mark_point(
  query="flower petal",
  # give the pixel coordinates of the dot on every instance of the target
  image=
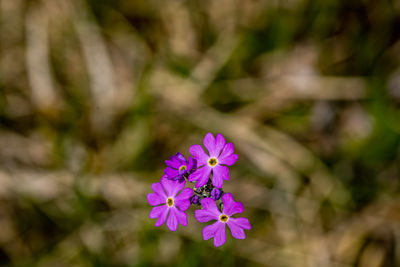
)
(156, 211)
(220, 173)
(200, 175)
(204, 215)
(172, 221)
(236, 230)
(219, 145)
(171, 173)
(209, 230)
(196, 175)
(241, 222)
(173, 163)
(192, 164)
(209, 204)
(180, 157)
(155, 199)
(199, 154)
(230, 206)
(229, 160)
(219, 237)
(180, 216)
(183, 204)
(182, 201)
(217, 181)
(227, 150)
(184, 195)
(157, 188)
(172, 187)
(162, 217)
(209, 143)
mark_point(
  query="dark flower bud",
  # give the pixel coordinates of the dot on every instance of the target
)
(216, 194)
(195, 200)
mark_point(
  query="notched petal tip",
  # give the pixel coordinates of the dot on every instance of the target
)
(172, 222)
(220, 173)
(236, 231)
(155, 199)
(230, 206)
(198, 153)
(158, 188)
(209, 143)
(209, 136)
(220, 237)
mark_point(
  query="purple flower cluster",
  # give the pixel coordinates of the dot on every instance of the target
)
(208, 171)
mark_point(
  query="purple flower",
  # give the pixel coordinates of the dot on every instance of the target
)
(217, 229)
(178, 166)
(166, 201)
(195, 200)
(216, 193)
(220, 154)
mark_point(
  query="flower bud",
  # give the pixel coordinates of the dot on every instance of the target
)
(216, 194)
(195, 200)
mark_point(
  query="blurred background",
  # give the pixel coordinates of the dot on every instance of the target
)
(96, 94)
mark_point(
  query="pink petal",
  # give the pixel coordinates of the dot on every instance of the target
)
(172, 221)
(241, 222)
(204, 215)
(236, 230)
(219, 237)
(183, 204)
(171, 173)
(155, 199)
(199, 154)
(192, 163)
(157, 188)
(209, 205)
(156, 211)
(209, 143)
(209, 230)
(173, 163)
(217, 181)
(200, 175)
(179, 157)
(229, 160)
(230, 206)
(180, 216)
(182, 200)
(219, 145)
(184, 195)
(194, 176)
(220, 173)
(226, 151)
(172, 187)
(162, 217)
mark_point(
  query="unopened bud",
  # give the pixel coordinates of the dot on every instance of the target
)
(195, 199)
(216, 194)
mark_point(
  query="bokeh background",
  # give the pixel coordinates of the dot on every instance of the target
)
(96, 94)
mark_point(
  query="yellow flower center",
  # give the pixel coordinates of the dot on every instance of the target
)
(212, 162)
(183, 167)
(170, 202)
(223, 218)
